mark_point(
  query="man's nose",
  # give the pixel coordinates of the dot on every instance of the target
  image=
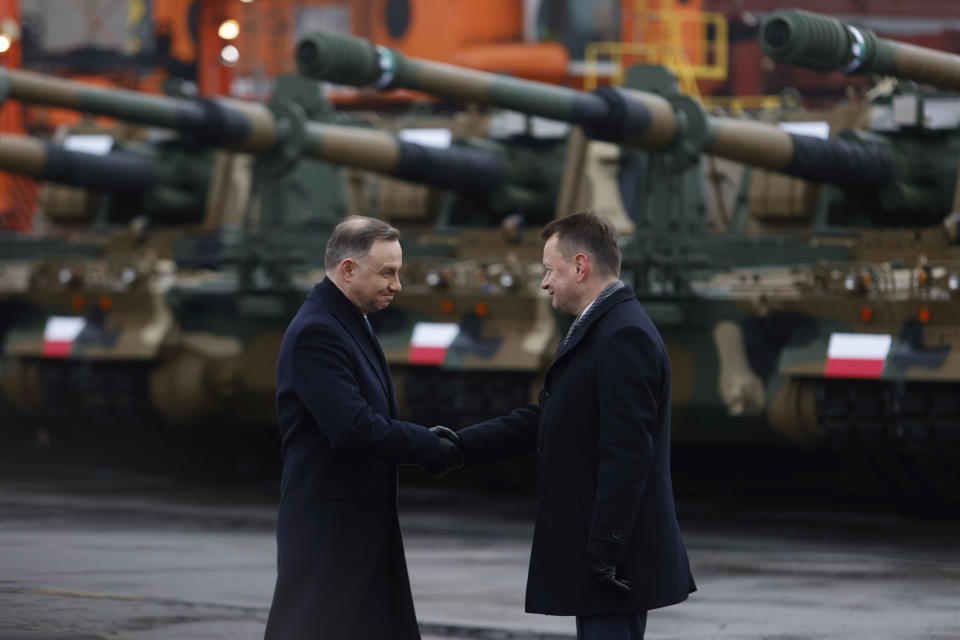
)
(543, 283)
(395, 285)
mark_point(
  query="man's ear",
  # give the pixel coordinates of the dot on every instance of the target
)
(347, 268)
(582, 262)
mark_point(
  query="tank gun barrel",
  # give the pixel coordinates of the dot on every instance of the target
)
(244, 126)
(116, 171)
(634, 118)
(835, 161)
(644, 120)
(631, 117)
(824, 43)
(467, 170)
(459, 169)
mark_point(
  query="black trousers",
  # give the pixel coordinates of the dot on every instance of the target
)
(622, 626)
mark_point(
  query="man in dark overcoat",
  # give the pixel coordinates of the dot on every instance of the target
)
(340, 562)
(606, 546)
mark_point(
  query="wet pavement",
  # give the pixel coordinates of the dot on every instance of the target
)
(98, 553)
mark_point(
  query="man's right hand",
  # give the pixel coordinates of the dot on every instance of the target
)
(451, 446)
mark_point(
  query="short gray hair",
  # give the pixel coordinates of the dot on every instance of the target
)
(353, 238)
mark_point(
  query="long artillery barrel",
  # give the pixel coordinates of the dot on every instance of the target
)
(116, 171)
(824, 43)
(456, 168)
(634, 118)
(244, 126)
(254, 128)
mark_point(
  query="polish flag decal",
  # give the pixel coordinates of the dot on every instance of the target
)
(431, 340)
(59, 335)
(856, 355)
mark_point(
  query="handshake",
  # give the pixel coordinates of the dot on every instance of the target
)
(452, 452)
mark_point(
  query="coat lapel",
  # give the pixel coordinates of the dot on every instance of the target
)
(385, 368)
(623, 294)
(352, 322)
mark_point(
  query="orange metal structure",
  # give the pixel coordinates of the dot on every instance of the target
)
(18, 195)
(437, 29)
(213, 75)
(483, 34)
(641, 22)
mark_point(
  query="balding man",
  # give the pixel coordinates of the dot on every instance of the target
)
(340, 563)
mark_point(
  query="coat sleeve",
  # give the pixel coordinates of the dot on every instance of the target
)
(511, 435)
(325, 380)
(627, 382)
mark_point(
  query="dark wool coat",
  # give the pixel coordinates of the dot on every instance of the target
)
(602, 434)
(340, 563)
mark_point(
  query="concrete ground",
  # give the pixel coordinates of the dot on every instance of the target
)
(106, 554)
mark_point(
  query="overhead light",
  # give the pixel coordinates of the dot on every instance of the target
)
(229, 55)
(4, 43)
(229, 29)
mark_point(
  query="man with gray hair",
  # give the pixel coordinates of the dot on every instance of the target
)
(341, 571)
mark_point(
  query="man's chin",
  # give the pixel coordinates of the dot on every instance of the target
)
(562, 309)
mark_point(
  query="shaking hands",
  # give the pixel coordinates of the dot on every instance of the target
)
(452, 452)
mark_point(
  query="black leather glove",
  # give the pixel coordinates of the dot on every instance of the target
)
(605, 574)
(452, 452)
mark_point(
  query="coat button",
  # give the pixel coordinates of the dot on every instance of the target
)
(616, 534)
(546, 393)
(539, 446)
(540, 501)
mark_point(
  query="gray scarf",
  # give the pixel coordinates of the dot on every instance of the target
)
(606, 293)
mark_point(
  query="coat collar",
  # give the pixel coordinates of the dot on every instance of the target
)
(329, 295)
(623, 294)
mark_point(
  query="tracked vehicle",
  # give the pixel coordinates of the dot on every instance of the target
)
(829, 319)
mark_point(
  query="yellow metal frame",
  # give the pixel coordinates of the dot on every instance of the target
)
(666, 47)
(736, 104)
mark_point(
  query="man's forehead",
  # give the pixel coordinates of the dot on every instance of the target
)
(550, 249)
(385, 253)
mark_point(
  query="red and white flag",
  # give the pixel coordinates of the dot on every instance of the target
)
(857, 355)
(59, 335)
(430, 341)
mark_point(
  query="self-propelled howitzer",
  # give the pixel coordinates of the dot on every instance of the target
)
(774, 342)
(194, 326)
(894, 178)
